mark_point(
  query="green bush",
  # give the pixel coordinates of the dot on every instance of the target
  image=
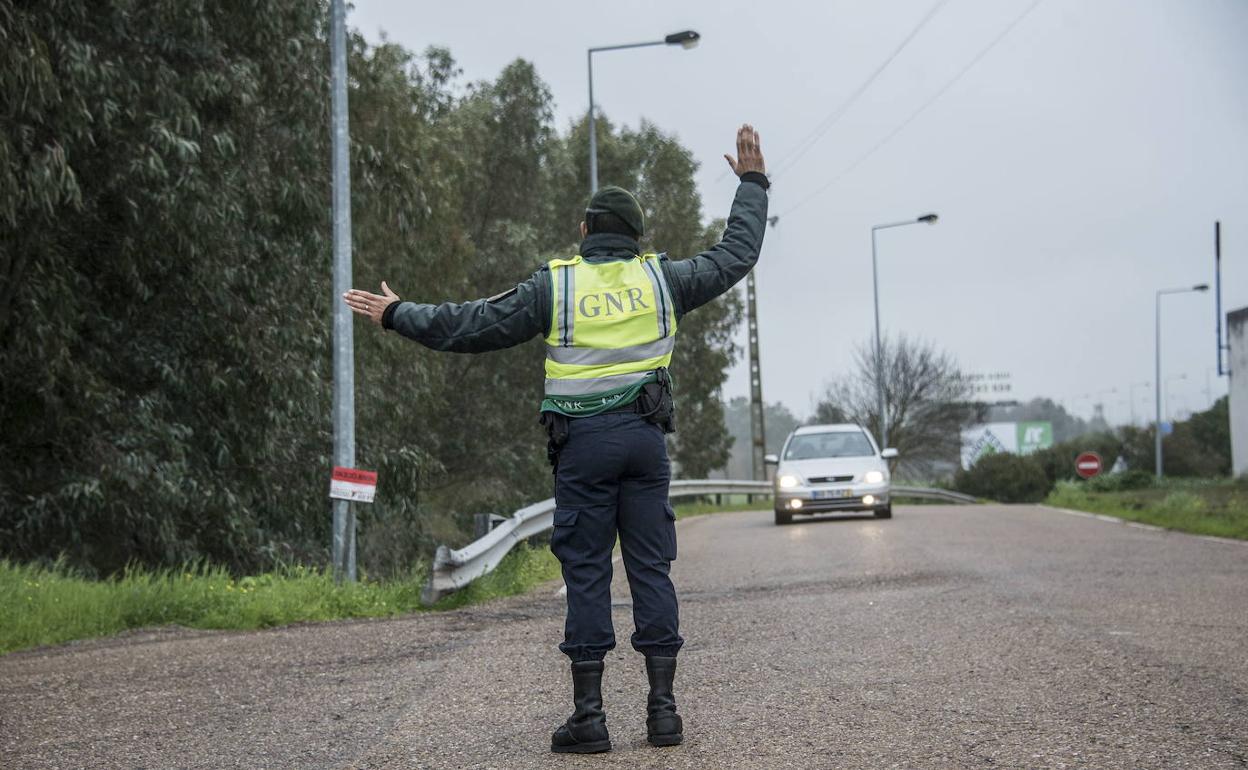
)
(1182, 502)
(1071, 494)
(1005, 477)
(1121, 482)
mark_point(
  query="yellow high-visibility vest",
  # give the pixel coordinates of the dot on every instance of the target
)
(612, 324)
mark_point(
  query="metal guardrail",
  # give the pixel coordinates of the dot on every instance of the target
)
(927, 493)
(455, 568)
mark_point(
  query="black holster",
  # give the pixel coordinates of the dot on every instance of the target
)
(557, 435)
(656, 402)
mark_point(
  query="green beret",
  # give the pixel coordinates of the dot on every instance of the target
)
(618, 201)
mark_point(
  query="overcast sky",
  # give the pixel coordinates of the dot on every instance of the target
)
(1077, 167)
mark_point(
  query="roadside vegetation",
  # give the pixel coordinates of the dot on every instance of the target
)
(50, 605)
(1005, 477)
(728, 504)
(1200, 506)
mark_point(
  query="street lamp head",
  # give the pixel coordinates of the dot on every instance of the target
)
(928, 219)
(1201, 287)
(686, 39)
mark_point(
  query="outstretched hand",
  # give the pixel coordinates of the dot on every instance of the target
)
(370, 305)
(749, 154)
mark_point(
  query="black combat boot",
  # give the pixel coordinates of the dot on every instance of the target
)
(663, 724)
(586, 730)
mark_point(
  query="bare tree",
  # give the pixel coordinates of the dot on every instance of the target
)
(928, 401)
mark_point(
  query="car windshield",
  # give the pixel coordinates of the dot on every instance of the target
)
(810, 446)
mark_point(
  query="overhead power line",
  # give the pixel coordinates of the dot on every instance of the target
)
(922, 108)
(834, 117)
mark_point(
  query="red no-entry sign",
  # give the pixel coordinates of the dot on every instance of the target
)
(1088, 465)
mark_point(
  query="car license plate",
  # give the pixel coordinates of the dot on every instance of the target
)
(824, 494)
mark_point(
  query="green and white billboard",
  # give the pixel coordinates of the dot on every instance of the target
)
(1021, 438)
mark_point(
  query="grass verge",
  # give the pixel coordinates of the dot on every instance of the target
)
(41, 606)
(1200, 506)
(522, 568)
(730, 504)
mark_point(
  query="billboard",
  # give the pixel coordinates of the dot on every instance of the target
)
(1021, 438)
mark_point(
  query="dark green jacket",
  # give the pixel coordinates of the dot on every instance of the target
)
(524, 312)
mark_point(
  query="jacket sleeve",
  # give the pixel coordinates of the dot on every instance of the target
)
(696, 281)
(513, 317)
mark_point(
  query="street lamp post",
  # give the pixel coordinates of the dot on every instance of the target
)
(685, 39)
(1157, 379)
(929, 219)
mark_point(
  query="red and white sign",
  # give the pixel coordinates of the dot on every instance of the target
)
(1088, 465)
(353, 484)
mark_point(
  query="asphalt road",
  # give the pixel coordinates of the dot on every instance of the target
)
(947, 637)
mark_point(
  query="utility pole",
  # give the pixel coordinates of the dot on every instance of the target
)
(344, 341)
(1217, 310)
(757, 429)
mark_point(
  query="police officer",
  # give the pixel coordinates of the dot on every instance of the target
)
(609, 316)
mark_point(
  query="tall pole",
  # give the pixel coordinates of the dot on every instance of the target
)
(882, 428)
(1217, 279)
(1157, 383)
(344, 343)
(757, 428)
(1157, 392)
(882, 432)
(593, 131)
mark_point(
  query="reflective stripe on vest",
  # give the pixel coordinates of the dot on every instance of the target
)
(612, 324)
(594, 385)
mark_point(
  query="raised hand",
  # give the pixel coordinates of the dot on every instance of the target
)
(370, 305)
(749, 154)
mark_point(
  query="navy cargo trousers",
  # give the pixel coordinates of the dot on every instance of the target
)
(612, 478)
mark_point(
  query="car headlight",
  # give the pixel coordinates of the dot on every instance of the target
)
(873, 477)
(787, 481)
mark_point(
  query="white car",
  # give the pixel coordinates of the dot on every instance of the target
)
(827, 468)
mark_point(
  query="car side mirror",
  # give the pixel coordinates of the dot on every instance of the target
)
(889, 454)
(771, 460)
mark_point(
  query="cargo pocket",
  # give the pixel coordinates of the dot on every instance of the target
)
(669, 532)
(562, 537)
